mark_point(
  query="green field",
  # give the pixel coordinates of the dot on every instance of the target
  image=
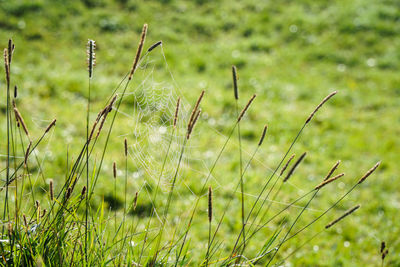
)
(290, 53)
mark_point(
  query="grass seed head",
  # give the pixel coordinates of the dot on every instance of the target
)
(330, 180)
(139, 51)
(235, 79)
(7, 66)
(51, 190)
(332, 170)
(383, 246)
(178, 102)
(151, 48)
(51, 125)
(195, 109)
(193, 123)
(115, 170)
(83, 192)
(25, 220)
(384, 254)
(210, 204)
(263, 135)
(135, 200)
(10, 51)
(246, 108)
(320, 105)
(126, 147)
(290, 173)
(21, 121)
(91, 56)
(369, 172)
(287, 164)
(68, 193)
(347, 213)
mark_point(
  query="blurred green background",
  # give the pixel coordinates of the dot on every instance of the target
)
(290, 53)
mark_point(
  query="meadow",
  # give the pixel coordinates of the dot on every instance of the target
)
(290, 54)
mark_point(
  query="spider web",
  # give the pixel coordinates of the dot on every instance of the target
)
(153, 136)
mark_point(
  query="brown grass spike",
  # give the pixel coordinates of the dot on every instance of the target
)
(151, 48)
(194, 111)
(210, 204)
(177, 111)
(332, 170)
(246, 108)
(263, 135)
(369, 172)
(235, 79)
(126, 147)
(51, 189)
(295, 166)
(53, 123)
(139, 51)
(325, 182)
(320, 105)
(114, 170)
(347, 213)
(287, 164)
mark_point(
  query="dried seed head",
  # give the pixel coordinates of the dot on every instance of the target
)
(347, 213)
(51, 189)
(330, 180)
(287, 164)
(114, 170)
(83, 192)
(235, 79)
(332, 170)
(21, 121)
(7, 67)
(37, 203)
(126, 147)
(246, 108)
(139, 51)
(112, 103)
(384, 254)
(320, 105)
(135, 200)
(91, 56)
(43, 213)
(210, 205)
(101, 124)
(369, 172)
(151, 48)
(15, 91)
(99, 115)
(178, 102)
(383, 246)
(195, 109)
(10, 50)
(25, 220)
(104, 114)
(68, 193)
(295, 166)
(92, 131)
(53, 123)
(193, 123)
(263, 135)
(27, 154)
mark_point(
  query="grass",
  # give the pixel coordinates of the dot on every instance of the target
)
(291, 55)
